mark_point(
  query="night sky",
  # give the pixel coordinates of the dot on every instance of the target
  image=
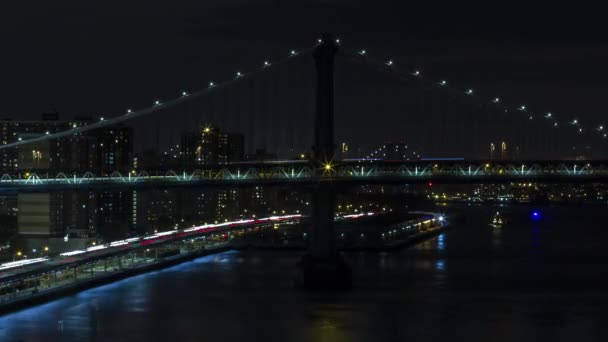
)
(94, 57)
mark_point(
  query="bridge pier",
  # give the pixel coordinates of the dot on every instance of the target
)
(322, 268)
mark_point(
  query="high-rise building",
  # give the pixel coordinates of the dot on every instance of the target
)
(40, 155)
(76, 214)
(115, 149)
(8, 214)
(207, 154)
(210, 147)
(190, 145)
(230, 147)
(101, 151)
(157, 209)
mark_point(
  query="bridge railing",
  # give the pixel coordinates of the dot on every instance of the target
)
(302, 171)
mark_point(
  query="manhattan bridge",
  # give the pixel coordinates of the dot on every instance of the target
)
(261, 104)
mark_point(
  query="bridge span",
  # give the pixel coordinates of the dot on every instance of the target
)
(302, 172)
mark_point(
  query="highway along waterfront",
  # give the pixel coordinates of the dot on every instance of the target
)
(31, 281)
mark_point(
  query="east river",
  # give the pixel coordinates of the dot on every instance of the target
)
(535, 279)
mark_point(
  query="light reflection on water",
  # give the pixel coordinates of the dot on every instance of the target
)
(471, 283)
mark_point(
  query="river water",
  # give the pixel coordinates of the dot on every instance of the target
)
(542, 279)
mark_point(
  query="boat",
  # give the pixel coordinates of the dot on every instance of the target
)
(497, 221)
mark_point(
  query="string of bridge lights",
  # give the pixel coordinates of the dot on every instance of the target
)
(158, 105)
(382, 150)
(415, 73)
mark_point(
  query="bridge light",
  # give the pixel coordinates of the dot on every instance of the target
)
(211, 84)
(266, 63)
(101, 118)
(157, 102)
(389, 63)
(600, 128)
(443, 82)
(47, 133)
(496, 100)
(580, 130)
(548, 115)
(238, 74)
(184, 93)
(522, 108)
(338, 41)
(362, 52)
(605, 135)
(319, 41)
(470, 92)
(531, 117)
(555, 124)
(294, 52)
(575, 122)
(416, 73)
(129, 111)
(74, 125)
(328, 167)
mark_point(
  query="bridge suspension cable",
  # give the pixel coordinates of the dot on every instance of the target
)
(391, 68)
(158, 105)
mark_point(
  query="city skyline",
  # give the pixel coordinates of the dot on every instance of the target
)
(257, 170)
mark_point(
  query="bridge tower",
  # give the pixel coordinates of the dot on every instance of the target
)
(322, 267)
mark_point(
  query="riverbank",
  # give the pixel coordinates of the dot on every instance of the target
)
(85, 280)
(45, 295)
(387, 247)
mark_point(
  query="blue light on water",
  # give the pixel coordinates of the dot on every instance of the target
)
(440, 265)
(535, 215)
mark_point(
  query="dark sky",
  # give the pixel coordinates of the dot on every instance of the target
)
(82, 57)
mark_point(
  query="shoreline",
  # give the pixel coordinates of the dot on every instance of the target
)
(43, 296)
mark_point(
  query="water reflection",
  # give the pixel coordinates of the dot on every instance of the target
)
(497, 238)
(441, 242)
(427, 292)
